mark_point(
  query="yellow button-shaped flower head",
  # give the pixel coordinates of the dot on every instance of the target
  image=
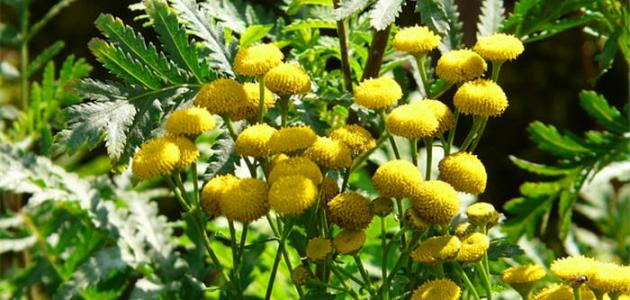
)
(474, 246)
(188, 152)
(348, 241)
(288, 79)
(415, 40)
(298, 165)
(245, 200)
(300, 275)
(442, 114)
(435, 201)
(329, 153)
(350, 210)
(189, 122)
(443, 289)
(212, 193)
(221, 96)
(250, 108)
(357, 138)
(317, 249)
(329, 189)
(563, 292)
(465, 172)
(437, 249)
(291, 139)
(254, 140)
(396, 178)
(415, 120)
(610, 278)
(482, 214)
(460, 65)
(522, 278)
(499, 47)
(292, 195)
(377, 93)
(257, 60)
(157, 157)
(480, 98)
(574, 268)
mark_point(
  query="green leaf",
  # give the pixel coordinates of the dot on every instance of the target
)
(224, 158)
(558, 26)
(442, 17)
(490, 18)
(44, 57)
(606, 58)
(295, 5)
(527, 215)
(9, 35)
(310, 24)
(503, 248)
(51, 13)
(548, 138)
(539, 169)
(16, 244)
(347, 8)
(540, 189)
(384, 13)
(606, 115)
(565, 211)
(236, 15)
(253, 34)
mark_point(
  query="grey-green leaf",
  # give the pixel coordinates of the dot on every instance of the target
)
(384, 13)
(490, 18)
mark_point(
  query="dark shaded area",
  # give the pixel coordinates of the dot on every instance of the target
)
(543, 84)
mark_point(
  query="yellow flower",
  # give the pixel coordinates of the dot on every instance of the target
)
(212, 193)
(415, 120)
(188, 152)
(350, 210)
(574, 268)
(482, 214)
(357, 138)
(465, 172)
(460, 65)
(245, 200)
(291, 195)
(349, 241)
(499, 47)
(221, 96)
(288, 79)
(522, 278)
(295, 166)
(318, 249)
(435, 201)
(254, 140)
(382, 206)
(329, 190)
(480, 98)
(442, 289)
(415, 40)
(442, 114)
(291, 139)
(329, 153)
(562, 292)
(610, 278)
(250, 108)
(157, 157)
(300, 275)
(437, 249)
(464, 229)
(396, 178)
(474, 246)
(412, 218)
(257, 60)
(377, 93)
(189, 121)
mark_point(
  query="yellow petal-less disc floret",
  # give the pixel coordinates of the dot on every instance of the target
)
(328, 190)
(460, 65)
(317, 249)
(350, 210)
(288, 79)
(221, 96)
(562, 292)
(574, 268)
(499, 47)
(480, 98)
(435, 201)
(396, 178)
(245, 200)
(377, 93)
(436, 249)
(482, 214)
(257, 60)
(474, 246)
(292, 195)
(157, 157)
(188, 152)
(250, 108)
(298, 165)
(465, 172)
(523, 274)
(191, 121)
(415, 120)
(300, 275)
(212, 193)
(349, 241)
(442, 114)
(610, 278)
(254, 140)
(442, 289)
(291, 139)
(415, 40)
(329, 153)
(357, 138)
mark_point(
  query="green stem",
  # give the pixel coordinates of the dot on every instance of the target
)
(274, 269)
(364, 275)
(284, 110)
(471, 134)
(423, 74)
(401, 221)
(241, 245)
(232, 131)
(576, 293)
(428, 142)
(24, 68)
(462, 274)
(343, 282)
(235, 262)
(384, 286)
(346, 274)
(346, 179)
(414, 151)
(486, 280)
(177, 193)
(451, 133)
(442, 91)
(496, 68)
(261, 103)
(195, 177)
(482, 128)
(391, 138)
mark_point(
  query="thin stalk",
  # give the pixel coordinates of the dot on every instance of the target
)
(177, 192)
(576, 293)
(343, 48)
(462, 274)
(391, 138)
(345, 285)
(451, 133)
(274, 269)
(348, 275)
(486, 280)
(401, 221)
(195, 178)
(235, 262)
(261, 102)
(471, 134)
(364, 275)
(375, 53)
(428, 143)
(442, 91)
(482, 128)
(385, 285)
(346, 179)
(284, 110)
(496, 68)
(24, 67)
(414, 151)
(180, 185)
(423, 74)
(324, 285)
(241, 245)
(234, 135)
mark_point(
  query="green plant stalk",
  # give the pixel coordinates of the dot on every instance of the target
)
(451, 133)
(241, 245)
(24, 63)
(324, 285)
(428, 142)
(496, 69)
(343, 49)
(420, 59)
(480, 131)
(235, 262)
(401, 221)
(384, 286)
(364, 275)
(576, 293)
(234, 135)
(391, 138)
(359, 160)
(471, 134)
(343, 283)
(462, 274)
(284, 110)
(176, 191)
(345, 273)
(261, 102)
(274, 269)
(414, 151)
(486, 279)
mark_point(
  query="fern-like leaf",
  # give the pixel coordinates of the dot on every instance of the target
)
(384, 13)
(348, 8)
(442, 17)
(490, 18)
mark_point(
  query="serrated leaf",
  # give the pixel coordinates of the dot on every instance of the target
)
(539, 169)
(490, 18)
(253, 34)
(606, 115)
(548, 138)
(348, 8)
(384, 13)
(606, 58)
(442, 17)
(44, 57)
(295, 5)
(540, 189)
(223, 157)
(565, 212)
(310, 24)
(527, 214)
(236, 15)
(117, 127)
(503, 248)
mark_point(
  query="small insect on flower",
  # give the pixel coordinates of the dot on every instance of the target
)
(257, 60)
(460, 65)
(377, 93)
(442, 289)
(415, 40)
(575, 269)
